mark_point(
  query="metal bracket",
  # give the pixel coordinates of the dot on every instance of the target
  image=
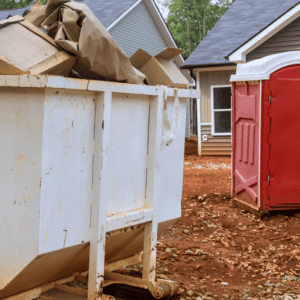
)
(160, 289)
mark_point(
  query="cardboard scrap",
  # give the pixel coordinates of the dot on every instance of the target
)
(75, 28)
(35, 13)
(160, 70)
(25, 49)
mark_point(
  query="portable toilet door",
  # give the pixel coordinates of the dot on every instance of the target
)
(266, 133)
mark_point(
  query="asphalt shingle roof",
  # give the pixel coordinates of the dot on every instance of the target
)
(106, 11)
(244, 19)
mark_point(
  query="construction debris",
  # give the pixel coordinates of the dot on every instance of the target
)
(28, 50)
(75, 29)
(78, 45)
(35, 13)
(160, 69)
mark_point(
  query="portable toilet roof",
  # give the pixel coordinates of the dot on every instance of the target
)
(262, 68)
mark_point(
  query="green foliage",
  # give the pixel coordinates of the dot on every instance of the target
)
(13, 4)
(190, 20)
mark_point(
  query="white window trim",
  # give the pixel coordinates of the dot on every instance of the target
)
(213, 110)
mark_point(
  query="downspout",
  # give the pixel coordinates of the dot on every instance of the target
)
(192, 75)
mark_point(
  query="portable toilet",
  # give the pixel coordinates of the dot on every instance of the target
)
(266, 133)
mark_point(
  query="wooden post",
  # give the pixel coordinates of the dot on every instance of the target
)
(100, 199)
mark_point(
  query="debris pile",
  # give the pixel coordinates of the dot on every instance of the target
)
(77, 45)
(218, 251)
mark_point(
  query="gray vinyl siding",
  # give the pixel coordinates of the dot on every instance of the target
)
(188, 120)
(287, 39)
(138, 30)
(215, 145)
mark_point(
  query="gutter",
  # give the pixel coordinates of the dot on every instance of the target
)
(208, 65)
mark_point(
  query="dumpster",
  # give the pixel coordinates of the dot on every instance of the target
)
(91, 174)
(265, 127)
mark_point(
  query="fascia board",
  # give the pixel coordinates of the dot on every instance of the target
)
(239, 55)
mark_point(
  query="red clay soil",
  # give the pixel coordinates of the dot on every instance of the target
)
(218, 251)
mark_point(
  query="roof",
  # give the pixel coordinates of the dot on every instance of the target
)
(243, 20)
(261, 69)
(105, 11)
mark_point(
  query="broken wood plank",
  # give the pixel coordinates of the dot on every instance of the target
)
(71, 290)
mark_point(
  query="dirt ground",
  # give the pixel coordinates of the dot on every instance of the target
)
(218, 251)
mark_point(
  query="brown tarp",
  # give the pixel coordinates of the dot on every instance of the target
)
(75, 28)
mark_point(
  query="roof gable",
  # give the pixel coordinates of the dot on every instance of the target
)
(108, 11)
(243, 20)
(138, 30)
(105, 11)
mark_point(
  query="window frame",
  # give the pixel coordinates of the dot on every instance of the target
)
(214, 110)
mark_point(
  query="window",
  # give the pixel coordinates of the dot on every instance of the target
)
(221, 109)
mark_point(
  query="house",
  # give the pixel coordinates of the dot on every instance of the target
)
(133, 24)
(249, 30)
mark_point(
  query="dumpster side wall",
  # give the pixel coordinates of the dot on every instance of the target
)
(67, 169)
(128, 149)
(171, 168)
(21, 122)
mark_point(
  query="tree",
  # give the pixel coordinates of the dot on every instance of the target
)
(190, 20)
(11, 4)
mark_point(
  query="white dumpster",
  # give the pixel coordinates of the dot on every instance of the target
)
(86, 173)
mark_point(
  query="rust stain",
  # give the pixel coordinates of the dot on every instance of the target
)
(59, 207)
(23, 196)
(21, 162)
(29, 198)
(66, 120)
(22, 158)
(18, 112)
(21, 250)
(20, 228)
(7, 225)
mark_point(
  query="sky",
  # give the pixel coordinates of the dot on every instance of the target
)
(164, 10)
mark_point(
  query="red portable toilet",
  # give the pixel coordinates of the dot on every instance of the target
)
(266, 133)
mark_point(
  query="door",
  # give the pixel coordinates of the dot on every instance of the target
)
(284, 138)
(245, 130)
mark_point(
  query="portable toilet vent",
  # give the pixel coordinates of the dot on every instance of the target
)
(266, 133)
